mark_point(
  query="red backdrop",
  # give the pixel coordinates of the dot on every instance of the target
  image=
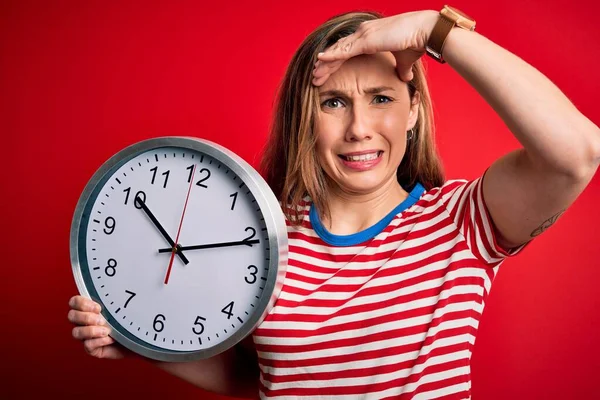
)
(80, 80)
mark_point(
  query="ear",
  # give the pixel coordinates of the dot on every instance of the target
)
(413, 114)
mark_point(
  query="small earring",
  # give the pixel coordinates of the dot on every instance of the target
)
(411, 134)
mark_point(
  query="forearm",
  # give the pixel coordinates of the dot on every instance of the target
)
(554, 134)
(231, 373)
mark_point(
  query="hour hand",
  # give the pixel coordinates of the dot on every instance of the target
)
(213, 245)
(140, 203)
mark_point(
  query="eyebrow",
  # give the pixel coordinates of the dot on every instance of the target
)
(341, 93)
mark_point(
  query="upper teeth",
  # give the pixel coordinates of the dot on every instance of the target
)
(363, 157)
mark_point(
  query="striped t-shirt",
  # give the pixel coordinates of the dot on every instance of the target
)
(389, 312)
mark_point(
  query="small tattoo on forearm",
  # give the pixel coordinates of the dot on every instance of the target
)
(547, 224)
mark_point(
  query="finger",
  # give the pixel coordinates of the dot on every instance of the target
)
(326, 68)
(85, 318)
(92, 344)
(81, 303)
(405, 75)
(90, 332)
(404, 63)
(101, 348)
(320, 80)
(343, 49)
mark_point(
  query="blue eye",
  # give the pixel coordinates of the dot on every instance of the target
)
(379, 99)
(332, 103)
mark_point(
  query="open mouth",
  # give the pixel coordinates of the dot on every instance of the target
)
(361, 157)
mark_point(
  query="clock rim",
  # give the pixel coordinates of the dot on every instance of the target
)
(272, 214)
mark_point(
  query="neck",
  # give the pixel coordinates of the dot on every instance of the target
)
(352, 212)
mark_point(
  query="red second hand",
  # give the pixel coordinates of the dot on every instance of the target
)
(179, 230)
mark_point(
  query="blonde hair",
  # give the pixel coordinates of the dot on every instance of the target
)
(289, 163)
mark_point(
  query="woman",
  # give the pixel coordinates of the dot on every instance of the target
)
(389, 264)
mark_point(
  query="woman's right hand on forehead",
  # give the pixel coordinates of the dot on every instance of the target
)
(91, 328)
(404, 35)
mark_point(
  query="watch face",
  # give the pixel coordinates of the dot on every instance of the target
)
(462, 19)
(210, 292)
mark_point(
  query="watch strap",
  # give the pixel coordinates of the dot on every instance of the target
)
(438, 36)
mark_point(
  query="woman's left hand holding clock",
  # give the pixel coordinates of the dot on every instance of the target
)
(91, 328)
(232, 372)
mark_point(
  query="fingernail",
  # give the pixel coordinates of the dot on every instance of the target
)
(100, 320)
(104, 331)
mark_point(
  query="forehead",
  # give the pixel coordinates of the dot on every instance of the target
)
(363, 71)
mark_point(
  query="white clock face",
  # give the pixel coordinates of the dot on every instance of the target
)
(192, 299)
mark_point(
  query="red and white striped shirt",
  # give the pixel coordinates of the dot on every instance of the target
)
(389, 312)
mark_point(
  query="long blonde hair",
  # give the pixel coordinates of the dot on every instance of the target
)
(289, 163)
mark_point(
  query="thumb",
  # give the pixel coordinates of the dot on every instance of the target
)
(405, 60)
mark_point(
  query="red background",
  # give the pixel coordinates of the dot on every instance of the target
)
(80, 80)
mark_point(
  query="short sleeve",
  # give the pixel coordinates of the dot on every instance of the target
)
(465, 203)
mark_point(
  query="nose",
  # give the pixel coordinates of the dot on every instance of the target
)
(360, 125)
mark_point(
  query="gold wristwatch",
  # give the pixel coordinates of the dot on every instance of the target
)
(449, 18)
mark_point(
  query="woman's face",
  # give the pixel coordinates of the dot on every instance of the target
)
(365, 112)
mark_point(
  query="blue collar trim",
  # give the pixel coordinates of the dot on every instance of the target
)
(369, 233)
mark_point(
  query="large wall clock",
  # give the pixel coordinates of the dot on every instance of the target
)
(182, 243)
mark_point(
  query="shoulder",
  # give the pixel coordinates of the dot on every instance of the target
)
(298, 211)
(446, 191)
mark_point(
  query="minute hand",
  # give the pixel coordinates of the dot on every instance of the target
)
(212, 245)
